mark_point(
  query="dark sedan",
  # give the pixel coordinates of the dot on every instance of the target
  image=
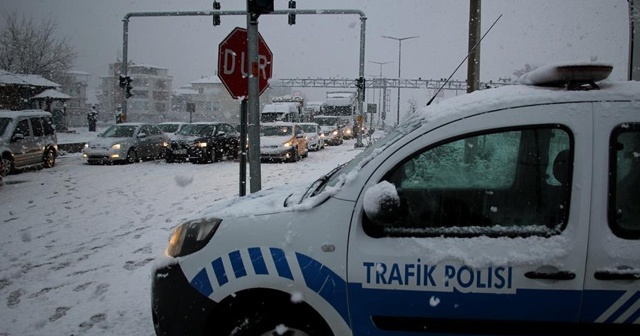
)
(204, 142)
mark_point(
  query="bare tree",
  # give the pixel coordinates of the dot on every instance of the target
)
(527, 68)
(30, 47)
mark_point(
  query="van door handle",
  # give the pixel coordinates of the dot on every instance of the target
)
(608, 275)
(560, 275)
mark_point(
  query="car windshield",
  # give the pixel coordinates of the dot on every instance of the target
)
(119, 131)
(4, 122)
(275, 130)
(168, 128)
(309, 128)
(196, 129)
(325, 121)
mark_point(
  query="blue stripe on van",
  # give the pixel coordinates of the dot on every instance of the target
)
(623, 309)
(237, 264)
(201, 283)
(257, 260)
(326, 283)
(218, 269)
(280, 260)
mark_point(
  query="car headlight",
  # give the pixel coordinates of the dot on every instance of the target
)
(287, 144)
(165, 144)
(201, 144)
(192, 236)
(86, 145)
(115, 146)
(334, 132)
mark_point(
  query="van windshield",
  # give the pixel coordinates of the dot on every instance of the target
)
(4, 122)
(326, 121)
(273, 116)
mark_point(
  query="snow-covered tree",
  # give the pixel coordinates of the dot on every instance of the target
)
(31, 47)
(413, 107)
(527, 68)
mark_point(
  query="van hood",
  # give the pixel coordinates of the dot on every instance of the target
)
(268, 201)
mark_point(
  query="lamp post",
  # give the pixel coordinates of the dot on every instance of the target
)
(380, 98)
(399, 39)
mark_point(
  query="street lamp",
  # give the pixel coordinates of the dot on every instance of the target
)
(399, 39)
(380, 98)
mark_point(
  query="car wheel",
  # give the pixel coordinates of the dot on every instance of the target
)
(132, 155)
(214, 155)
(49, 159)
(295, 156)
(6, 167)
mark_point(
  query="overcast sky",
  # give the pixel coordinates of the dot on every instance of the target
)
(320, 46)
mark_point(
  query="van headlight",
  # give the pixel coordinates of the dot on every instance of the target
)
(192, 236)
(115, 146)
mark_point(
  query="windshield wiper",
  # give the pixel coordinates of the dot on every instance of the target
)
(319, 183)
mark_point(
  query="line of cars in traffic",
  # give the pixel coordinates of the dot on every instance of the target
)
(206, 142)
(28, 139)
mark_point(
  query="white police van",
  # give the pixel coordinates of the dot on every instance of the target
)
(511, 210)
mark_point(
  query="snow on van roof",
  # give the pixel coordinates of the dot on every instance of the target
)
(523, 95)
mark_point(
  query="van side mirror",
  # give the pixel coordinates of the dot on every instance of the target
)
(382, 204)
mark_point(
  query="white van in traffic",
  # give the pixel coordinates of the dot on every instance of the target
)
(506, 211)
(27, 139)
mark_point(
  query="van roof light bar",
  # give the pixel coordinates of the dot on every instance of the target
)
(572, 76)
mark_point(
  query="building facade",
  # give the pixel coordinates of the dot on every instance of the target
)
(77, 106)
(151, 89)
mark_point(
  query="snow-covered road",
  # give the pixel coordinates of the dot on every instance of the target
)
(77, 241)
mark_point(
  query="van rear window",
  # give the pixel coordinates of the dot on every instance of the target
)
(624, 181)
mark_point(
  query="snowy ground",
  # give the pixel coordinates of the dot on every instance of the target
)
(77, 241)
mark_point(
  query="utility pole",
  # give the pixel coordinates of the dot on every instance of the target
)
(634, 40)
(399, 39)
(473, 65)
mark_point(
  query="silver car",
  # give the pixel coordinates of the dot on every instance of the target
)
(127, 142)
(27, 139)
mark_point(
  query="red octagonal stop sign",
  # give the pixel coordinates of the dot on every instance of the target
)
(232, 63)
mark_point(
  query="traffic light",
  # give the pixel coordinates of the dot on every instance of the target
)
(122, 81)
(128, 81)
(292, 16)
(216, 18)
(360, 84)
(260, 6)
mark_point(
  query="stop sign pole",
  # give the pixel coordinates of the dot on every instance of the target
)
(255, 174)
(244, 67)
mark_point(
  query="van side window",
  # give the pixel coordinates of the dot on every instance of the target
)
(508, 182)
(49, 129)
(36, 125)
(624, 181)
(22, 128)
